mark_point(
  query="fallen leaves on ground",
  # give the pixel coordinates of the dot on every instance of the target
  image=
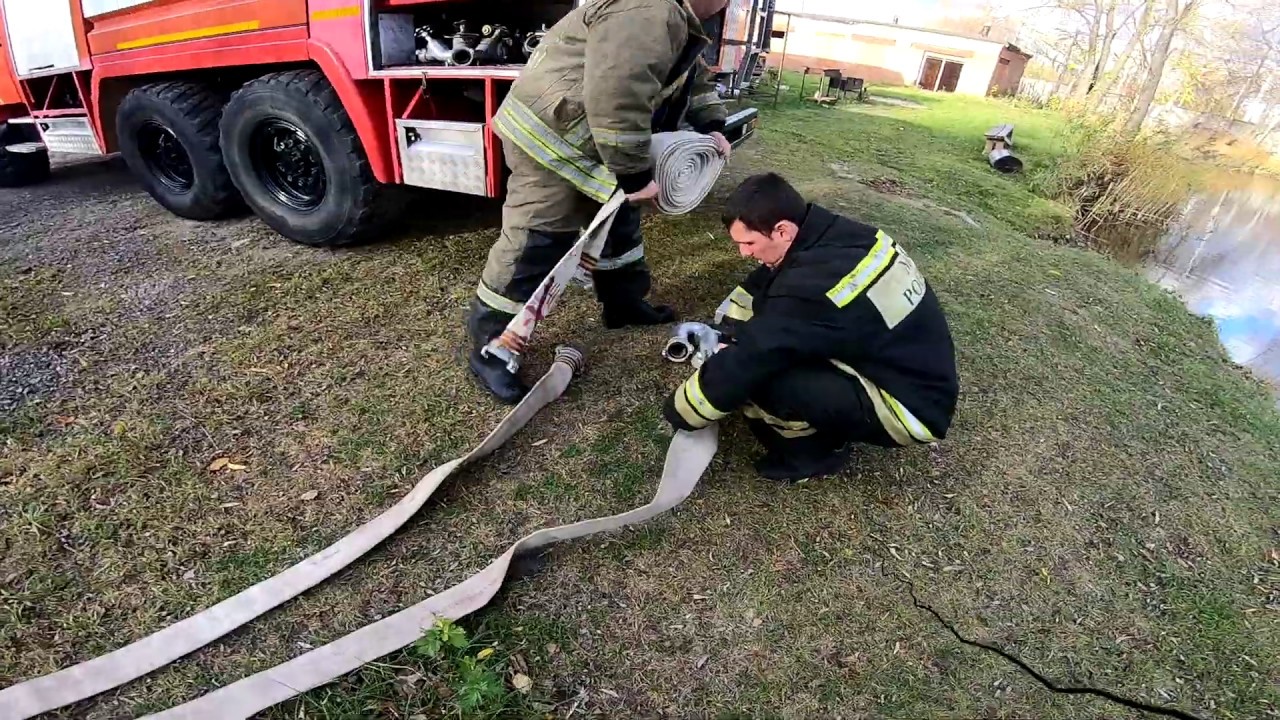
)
(521, 682)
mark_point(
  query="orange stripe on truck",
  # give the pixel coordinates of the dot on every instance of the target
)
(336, 13)
(196, 34)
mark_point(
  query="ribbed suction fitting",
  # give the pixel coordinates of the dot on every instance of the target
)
(572, 357)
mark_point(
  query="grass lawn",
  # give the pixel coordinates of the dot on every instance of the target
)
(1106, 505)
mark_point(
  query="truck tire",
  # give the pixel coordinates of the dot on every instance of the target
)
(168, 135)
(294, 153)
(18, 169)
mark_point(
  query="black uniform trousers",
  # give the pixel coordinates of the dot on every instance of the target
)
(814, 409)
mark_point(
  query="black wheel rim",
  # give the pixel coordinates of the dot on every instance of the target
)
(165, 157)
(288, 165)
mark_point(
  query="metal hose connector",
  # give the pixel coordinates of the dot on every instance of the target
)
(462, 56)
(678, 350)
(692, 342)
(532, 41)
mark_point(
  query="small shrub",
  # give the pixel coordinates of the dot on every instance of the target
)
(471, 670)
(1124, 190)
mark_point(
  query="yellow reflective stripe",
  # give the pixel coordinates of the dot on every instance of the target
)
(529, 143)
(687, 411)
(633, 255)
(891, 423)
(512, 129)
(203, 32)
(557, 147)
(698, 399)
(496, 301)
(741, 298)
(578, 133)
(737, 312)
(619, 138)
(785, 428)
(853, 284)
(738, 306)
(336, 13)
(909, 421)
(704, 100)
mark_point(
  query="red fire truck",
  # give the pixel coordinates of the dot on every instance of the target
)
(303, 110)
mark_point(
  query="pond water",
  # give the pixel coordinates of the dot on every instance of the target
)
(1223, 260)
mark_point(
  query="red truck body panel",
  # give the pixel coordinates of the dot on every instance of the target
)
(125, 47)
(163, 23)
(10, 93)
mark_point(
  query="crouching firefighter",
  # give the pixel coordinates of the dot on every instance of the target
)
(576, 127)
(835, 339)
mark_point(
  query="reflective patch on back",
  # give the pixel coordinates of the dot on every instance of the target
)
(898, 291)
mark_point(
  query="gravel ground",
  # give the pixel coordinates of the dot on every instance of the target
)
(28, 375)
(96, 268)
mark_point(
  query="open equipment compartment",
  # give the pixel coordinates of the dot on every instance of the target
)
(425, 34)
(447, 65)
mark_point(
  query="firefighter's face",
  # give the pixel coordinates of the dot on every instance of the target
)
(707, 9)
(766, 248)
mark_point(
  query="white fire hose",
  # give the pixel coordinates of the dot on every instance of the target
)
(687, 166)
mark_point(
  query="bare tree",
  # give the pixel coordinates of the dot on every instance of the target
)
(1266, 34)
(1108, 80)
(1092, 12)
(1223, 64)
(1066, 67)
(1104, 52)
(1271, 126)
(1176, 13)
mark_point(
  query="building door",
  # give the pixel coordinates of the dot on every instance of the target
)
(950, 76)
(930, 73)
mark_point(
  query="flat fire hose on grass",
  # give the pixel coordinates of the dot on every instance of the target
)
(687, 166)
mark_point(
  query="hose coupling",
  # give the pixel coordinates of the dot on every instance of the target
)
(692, 342)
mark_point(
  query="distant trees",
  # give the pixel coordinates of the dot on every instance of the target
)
(1120, 57)
(1175, 17)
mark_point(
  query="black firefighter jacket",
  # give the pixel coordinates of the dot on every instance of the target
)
(848, 295)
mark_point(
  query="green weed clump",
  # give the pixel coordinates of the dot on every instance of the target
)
(469, 671)
(1124, 190)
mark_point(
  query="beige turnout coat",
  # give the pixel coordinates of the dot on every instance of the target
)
(604, 79)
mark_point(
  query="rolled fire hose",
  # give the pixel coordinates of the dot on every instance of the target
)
(687, 165)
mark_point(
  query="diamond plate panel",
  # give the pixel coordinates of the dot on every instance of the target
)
(69, 135)
(443, 155)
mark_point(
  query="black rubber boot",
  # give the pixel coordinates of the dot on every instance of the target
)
(788, 467)
(639, 313)
(493, 374)
(483, 324)
(622, 291)
(796, 459)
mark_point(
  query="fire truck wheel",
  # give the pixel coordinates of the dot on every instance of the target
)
(21, 168)
(294, 154)
(168, 134)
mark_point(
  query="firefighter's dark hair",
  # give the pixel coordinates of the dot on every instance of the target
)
(762, 201)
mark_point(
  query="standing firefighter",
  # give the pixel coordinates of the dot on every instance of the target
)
(837, 338)
(576, 127)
